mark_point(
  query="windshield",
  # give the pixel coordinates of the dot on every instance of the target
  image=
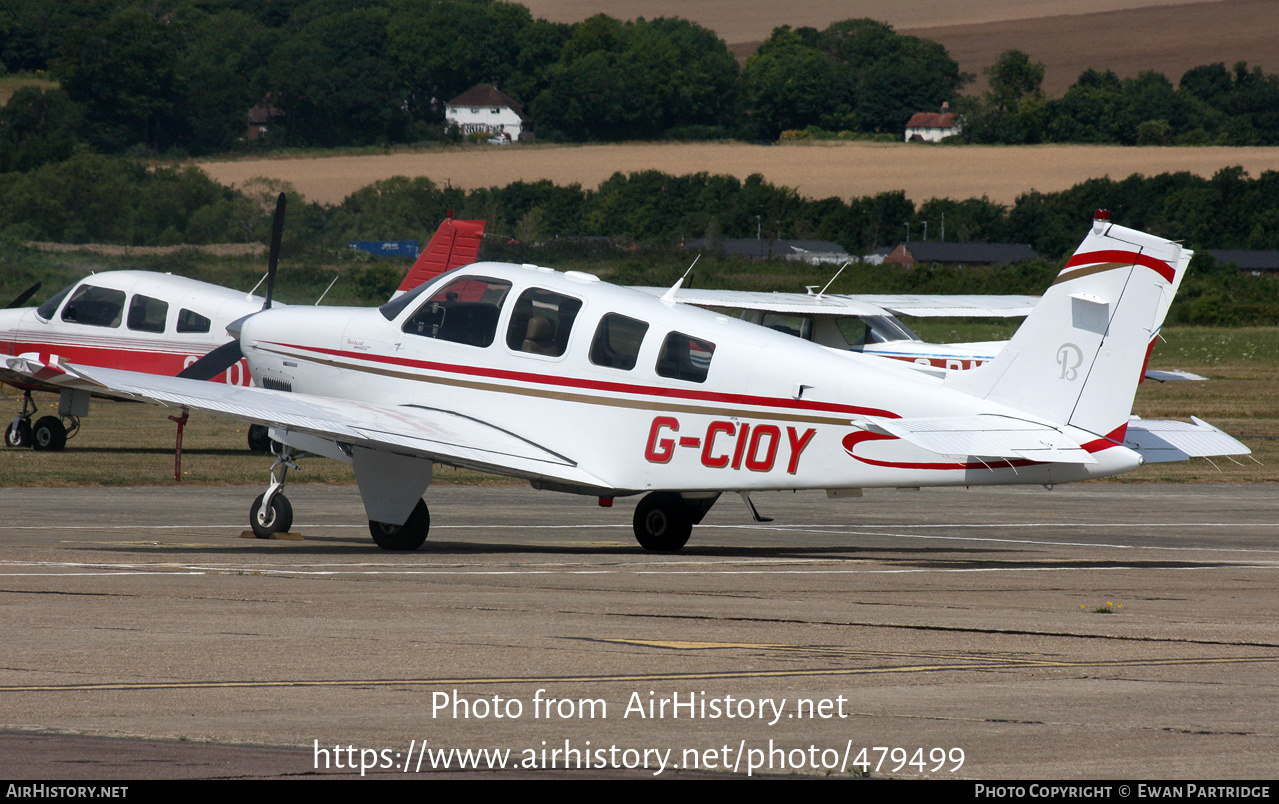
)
(46, 310)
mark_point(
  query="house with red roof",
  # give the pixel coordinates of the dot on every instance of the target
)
(933, 126)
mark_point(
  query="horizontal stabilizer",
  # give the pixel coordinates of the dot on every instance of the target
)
(1173, 375)
(985, 437)
(1158, 440)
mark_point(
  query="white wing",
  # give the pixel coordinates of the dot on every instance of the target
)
(441, 435)
(860, 304)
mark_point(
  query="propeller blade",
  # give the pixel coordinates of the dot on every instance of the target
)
(22, 297)
(214, 363)
(277, 231)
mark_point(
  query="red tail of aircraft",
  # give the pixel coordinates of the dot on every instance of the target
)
(454, 244)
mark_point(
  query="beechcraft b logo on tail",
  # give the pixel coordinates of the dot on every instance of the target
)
(1069, 356)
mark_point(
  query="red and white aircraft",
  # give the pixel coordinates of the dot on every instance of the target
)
(157, 324)
(585, 387)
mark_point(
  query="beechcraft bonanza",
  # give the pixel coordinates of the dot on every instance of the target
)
(581, 386)
(157, 324)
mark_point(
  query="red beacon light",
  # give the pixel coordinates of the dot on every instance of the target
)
(1100, 220)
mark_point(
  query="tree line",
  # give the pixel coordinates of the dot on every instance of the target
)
(179, 76)
(1211, 105)
(109, 199)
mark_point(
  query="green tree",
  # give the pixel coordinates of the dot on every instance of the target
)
(335, 83)
(122, 72)
(38, 127)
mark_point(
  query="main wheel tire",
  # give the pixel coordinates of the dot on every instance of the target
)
(19, 436)
(259, 438)
(49, 435)
(663, 522)
(278, 519)
(409, 536)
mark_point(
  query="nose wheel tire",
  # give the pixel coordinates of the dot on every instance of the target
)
(49, 435)
(267, 522)
(409, 536)
(663, 522)
(19, 436)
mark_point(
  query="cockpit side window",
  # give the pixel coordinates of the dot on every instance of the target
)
(190, 321)
(541, 322)
(95, 306)
(684, 357)
(463, 311)
(147, 314)
(617, 341)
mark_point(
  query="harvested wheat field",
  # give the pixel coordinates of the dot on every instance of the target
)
(754, 20)
(816, 170)
(1068, 36)
(1168, 39)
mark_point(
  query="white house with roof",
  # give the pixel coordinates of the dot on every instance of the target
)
(933, 126)
(485, 108)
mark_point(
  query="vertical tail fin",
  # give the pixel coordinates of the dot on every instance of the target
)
(454, 244)
(1078, 357)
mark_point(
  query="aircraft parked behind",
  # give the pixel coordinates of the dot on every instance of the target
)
(585, 387)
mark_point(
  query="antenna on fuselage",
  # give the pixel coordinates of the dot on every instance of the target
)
(669, 296)
(828, 284)
(255, 287)
(326, 290)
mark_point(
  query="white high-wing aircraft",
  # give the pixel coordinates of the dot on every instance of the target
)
(869, 324)
(157, 324)
(585, 387)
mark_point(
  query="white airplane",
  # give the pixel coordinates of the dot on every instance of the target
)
(157, 324)
(869, 324)
(581, 386)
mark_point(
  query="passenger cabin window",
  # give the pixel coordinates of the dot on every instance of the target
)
(463, 311)
(617, 341)
(147, 314)
(189, 321)
(541, 322)
(800, 326)
(95, 307)
(684, 357)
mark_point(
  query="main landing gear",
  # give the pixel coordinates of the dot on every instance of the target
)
(409, 536)
(664, 519)
(272, 513)
(48, 434)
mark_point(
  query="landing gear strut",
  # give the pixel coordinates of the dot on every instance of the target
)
(409, 536)
(271, 512)
(49, 434)
(664, 520)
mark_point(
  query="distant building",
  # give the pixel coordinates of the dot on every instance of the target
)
(909, 253)
(1247, 259)
(260, 117)
(810, 251)
(933, 126)
(485, 108)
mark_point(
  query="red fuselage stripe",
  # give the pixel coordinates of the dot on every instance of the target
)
(597, 385)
